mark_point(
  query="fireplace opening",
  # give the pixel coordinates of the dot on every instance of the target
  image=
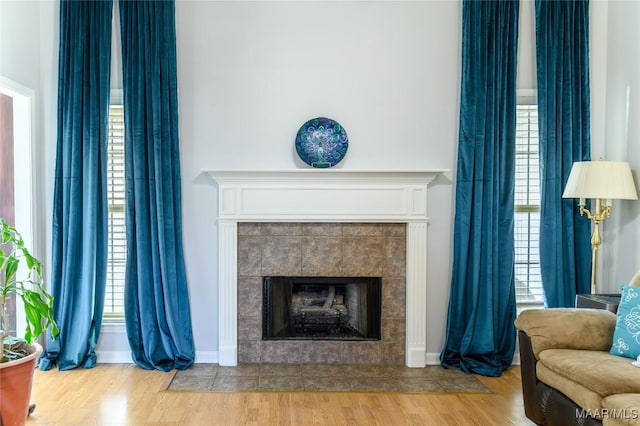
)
(321, 308)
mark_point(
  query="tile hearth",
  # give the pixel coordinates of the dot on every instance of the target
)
(324, 377)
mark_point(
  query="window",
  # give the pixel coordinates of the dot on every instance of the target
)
(117, 253)
(527, 207)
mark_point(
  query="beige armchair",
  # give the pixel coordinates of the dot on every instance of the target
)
(569, 377)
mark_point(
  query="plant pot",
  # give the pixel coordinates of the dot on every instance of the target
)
(16, 378)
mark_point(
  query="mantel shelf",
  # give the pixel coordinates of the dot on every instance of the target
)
(228, 175)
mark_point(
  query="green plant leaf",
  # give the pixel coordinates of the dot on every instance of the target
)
(31, 261)
(8, 289)
(34, 327)
(35, 308)
(10, 269)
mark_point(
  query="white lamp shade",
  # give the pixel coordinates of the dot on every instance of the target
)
(608, 180)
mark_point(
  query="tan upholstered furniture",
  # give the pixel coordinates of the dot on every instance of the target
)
(568, 375)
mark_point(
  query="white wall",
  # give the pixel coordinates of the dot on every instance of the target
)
(20, 80)
(621, 237)
(20, 43)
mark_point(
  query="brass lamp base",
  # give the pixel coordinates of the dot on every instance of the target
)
(600, 214)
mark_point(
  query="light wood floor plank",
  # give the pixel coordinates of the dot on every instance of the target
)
(127, 395)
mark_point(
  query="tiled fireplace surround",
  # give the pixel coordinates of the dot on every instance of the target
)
(278, 222)
(321, 249)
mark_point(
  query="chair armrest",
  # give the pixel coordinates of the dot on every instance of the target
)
(567, 328)
(533, 408)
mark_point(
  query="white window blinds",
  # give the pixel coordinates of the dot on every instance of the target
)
(116, 258)
(527, 207)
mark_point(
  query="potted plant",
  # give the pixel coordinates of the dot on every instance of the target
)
(19, 356)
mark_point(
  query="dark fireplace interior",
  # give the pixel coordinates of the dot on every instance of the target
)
(321, 308)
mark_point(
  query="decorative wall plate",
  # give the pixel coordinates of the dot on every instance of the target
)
(321, 142)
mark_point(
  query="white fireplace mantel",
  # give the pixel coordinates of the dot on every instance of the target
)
(323, 195)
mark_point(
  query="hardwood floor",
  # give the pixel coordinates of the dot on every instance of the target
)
(126, 395)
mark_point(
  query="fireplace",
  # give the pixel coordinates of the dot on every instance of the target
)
(321, 308)
(303, 252)
(321, 196)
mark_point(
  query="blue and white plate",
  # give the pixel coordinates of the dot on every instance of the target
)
(321, 142)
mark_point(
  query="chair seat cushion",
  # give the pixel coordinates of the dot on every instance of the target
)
(598, 371)
(587, 376)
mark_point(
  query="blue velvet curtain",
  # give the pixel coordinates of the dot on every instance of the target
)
(79, 246)
(480, 335)
(157, 308)
(562, 52)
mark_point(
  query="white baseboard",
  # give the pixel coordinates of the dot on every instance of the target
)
(114, 357)
(124, 357)
(434, 359)
(516, 359)
(207, 357)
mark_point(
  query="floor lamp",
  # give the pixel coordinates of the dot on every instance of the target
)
(601, 181)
